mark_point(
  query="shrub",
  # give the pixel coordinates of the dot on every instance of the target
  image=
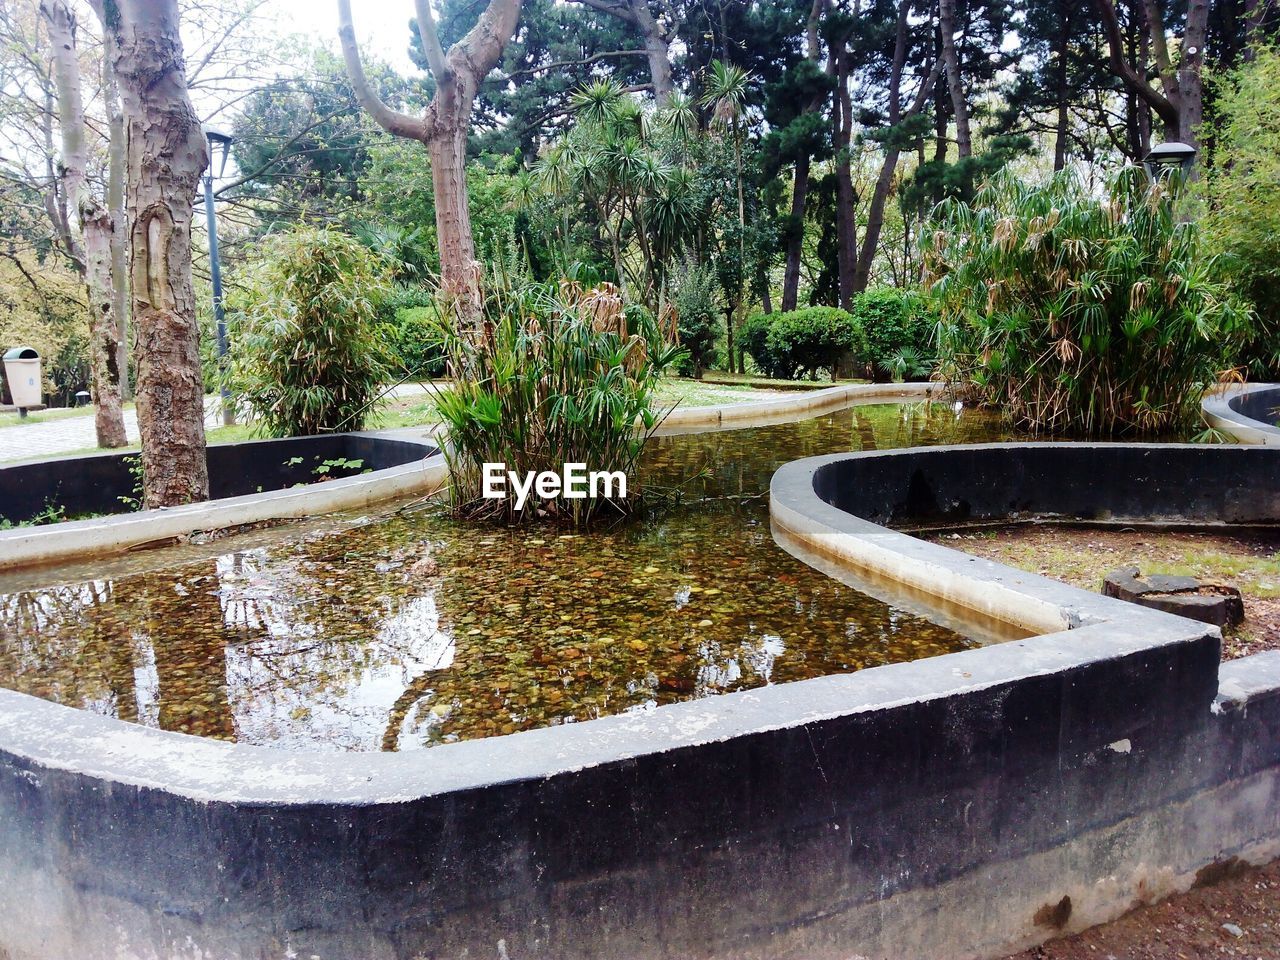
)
(802, 342)
(1244, 199)
(1079, 313)
(699, 320)
(309, 356)
(560, 375)
(415, 343)
(898, 326)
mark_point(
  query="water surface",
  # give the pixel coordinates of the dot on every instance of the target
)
(407, 629)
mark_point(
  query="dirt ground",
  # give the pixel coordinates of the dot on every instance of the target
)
(1238, 916)
(1083, 556)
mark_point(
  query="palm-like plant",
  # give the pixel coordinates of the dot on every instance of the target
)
(727, 87)
(1076, 313)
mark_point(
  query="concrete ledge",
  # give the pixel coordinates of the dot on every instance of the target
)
(834, 506)
(418, 469)
(955, 807)
(764, 413)
(1246, 412)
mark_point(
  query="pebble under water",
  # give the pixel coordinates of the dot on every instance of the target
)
(407, 629)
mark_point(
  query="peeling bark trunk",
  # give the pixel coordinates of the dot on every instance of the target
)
(460, 273)
(116, 161)
(166, 153)
(955, 82)
(89, 227)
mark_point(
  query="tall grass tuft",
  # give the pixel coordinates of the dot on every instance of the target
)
(1078, 312)
(558, 374)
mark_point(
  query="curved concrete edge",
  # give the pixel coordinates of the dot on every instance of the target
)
(808, 527)
(77, 539)
(58, 737)
(1221, 411)
(764, 413)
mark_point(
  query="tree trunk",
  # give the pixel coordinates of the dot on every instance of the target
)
(116, 161)
(460, 274)
(89, 226)
(657, 49)
(1169, 104)
(884, 182)
(795, 240)
(846, 199)
(444, 132)
(1062, 126)
(955, 83)
(166, 154)
(1190, 77)
(800, 192)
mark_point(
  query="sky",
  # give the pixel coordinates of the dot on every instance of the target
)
(382, 26)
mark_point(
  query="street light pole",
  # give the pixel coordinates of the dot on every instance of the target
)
(218, 140)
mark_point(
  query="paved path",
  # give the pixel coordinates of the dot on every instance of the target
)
(52, 437)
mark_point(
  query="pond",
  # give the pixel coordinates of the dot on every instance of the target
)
(405, 629)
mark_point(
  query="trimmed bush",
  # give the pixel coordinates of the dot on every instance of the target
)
(899, 329)
(801, 343)
(1079, 313)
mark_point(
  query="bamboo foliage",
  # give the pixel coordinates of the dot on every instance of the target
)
(1079, 313)
(308, 356)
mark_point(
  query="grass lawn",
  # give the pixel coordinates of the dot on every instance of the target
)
(46, 416)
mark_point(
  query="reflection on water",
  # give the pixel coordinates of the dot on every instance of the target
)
(409, 630)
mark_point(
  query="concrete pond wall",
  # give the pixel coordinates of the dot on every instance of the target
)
(250, 482)
(1250, 413)
(954, 807)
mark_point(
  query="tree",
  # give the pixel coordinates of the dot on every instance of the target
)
(1179, 103)
(654, 35)
(800, 135)
(955, 78)
(902, 128)
(443, 130)
(727, 87)
(166, 155)
(89, 226)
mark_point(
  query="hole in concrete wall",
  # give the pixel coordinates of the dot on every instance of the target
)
(1054, 915)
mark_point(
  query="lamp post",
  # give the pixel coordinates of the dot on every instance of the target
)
(1166, 157)
(218, 142)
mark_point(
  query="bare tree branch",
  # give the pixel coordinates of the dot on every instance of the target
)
(402, 125)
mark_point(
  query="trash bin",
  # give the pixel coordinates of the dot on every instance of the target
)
(82, 398)
(22, 371)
